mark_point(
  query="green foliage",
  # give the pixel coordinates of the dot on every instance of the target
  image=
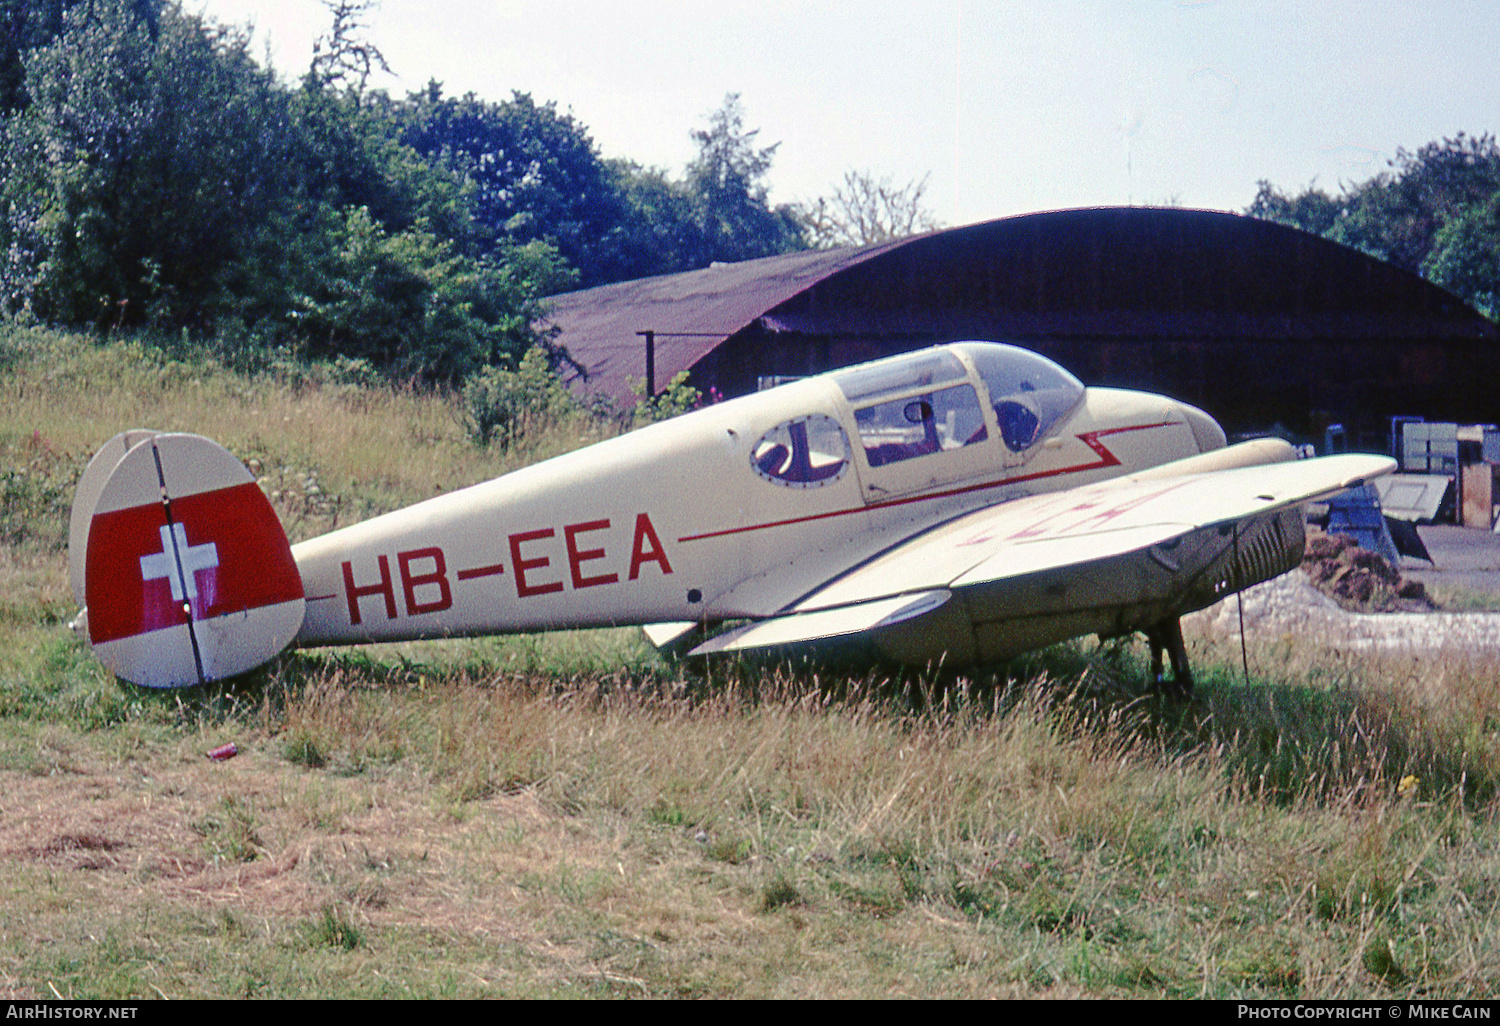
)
(347, 153)
(163, 178)
(778, 893)
(534, 175)
(727, 183)
(139, 167)
(1312, 210)
(27, 25)
(302, 749)
(503, 406)
(1433, 213)
(372, 259)
(156, 176)
(662, 234)
(1465, 256)
(334, 929)
(1397, 215)
(35, 497)
(404, 301)
(677, 398)
(229, 832)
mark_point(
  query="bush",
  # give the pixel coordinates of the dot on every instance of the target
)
(677, 398)
(139, 167)
(503, 406)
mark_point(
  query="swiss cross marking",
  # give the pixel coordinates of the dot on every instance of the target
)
(194, 558)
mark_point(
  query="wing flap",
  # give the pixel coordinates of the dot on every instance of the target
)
(1061, 553)
(825, 624)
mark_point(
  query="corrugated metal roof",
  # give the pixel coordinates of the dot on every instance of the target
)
(692, 313)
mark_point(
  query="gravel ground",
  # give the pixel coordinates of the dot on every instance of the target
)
(1291, 604)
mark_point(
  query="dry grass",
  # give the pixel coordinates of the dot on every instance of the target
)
(570, 817)
(367, 449)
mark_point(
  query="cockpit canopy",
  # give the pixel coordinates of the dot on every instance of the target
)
(1029, 393)
(923, 402)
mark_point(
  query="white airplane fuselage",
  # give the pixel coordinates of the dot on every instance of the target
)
(682, 520)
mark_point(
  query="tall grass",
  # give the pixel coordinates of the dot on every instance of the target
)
(1059, 816)
(329, 451)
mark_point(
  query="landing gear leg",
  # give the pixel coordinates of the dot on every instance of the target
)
(1168, 635)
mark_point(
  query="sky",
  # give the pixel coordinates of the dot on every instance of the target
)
(1002, 107)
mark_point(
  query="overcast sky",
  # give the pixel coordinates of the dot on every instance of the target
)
(1010, 106)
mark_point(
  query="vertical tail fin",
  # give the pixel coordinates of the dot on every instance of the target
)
(86, 499)
(187, 574)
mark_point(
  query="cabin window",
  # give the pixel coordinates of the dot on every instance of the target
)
(901, 373)
(1030, 393)
(808, 452)
(916, 425)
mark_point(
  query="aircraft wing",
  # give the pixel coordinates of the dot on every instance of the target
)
(1101, 558)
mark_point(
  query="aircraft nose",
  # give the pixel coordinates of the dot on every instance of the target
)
(1206, 431)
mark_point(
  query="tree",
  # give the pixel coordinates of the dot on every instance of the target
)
(534, 175)
(406, 303)
(139, 167)
(662, 233)
(727, 182)
(865, 210)
(26, 25)
(163, 178)
(1312, 210)
(375, 255)
(1397, 214)
(1465, 256)
(345, 58)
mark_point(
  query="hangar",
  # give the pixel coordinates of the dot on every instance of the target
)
(1261, 324)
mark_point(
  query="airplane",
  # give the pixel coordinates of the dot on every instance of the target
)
(950, 506)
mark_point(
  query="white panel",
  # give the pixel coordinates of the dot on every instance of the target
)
(1412, 496)
(826, 623)
(156, 659)
(662, 634)
(239, 642)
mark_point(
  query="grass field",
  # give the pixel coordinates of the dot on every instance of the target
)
(571, 816)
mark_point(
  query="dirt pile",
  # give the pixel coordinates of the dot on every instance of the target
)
(1360, 580)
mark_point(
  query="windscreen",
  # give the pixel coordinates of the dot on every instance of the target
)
(1029, 392)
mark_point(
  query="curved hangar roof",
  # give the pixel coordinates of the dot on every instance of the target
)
(691, 314)
(1085, 287)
